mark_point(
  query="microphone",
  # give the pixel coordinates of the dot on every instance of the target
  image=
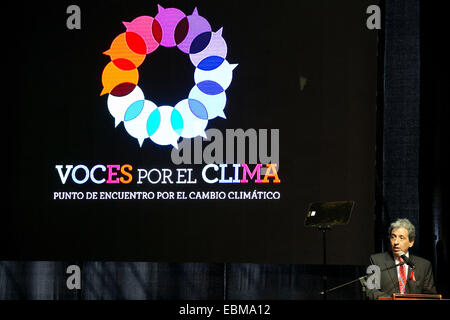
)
(406, 259)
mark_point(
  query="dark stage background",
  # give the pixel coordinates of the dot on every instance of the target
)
(305, 68)
(410, 180)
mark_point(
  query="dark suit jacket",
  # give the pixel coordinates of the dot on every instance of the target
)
(423, 275)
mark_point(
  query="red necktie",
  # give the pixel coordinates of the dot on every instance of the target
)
(402, 277)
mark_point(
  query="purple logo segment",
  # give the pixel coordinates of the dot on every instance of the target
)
(169, 19)
(197, 25)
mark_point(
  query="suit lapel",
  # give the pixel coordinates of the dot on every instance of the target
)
(408, 279)
(392, 272)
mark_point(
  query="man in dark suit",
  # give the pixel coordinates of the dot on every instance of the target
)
(403, 278)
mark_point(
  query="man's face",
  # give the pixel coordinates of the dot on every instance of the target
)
(400, 241)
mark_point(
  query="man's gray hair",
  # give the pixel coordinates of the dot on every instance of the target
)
(405, 223)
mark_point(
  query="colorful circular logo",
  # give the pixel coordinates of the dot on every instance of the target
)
(207, 50)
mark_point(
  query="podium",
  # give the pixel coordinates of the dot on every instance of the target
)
(409, 296)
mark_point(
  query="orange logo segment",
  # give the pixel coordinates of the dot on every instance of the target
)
(112, 76)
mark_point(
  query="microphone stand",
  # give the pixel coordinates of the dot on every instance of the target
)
(324, 229)
(362, 279)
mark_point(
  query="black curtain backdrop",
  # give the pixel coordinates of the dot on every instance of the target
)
(46, 280)
(434, 154)
(412, 182)
(412, 155)
(398, 146)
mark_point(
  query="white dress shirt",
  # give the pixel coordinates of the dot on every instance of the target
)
(397, 261)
